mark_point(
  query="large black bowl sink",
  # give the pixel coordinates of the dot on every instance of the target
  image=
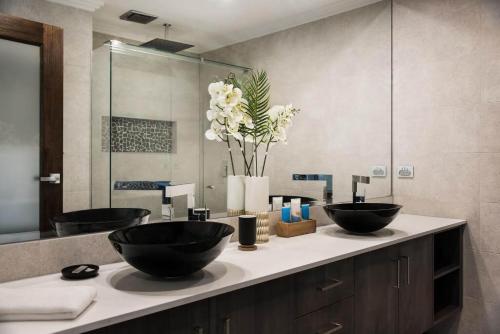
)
(98, 220)
(362, 217)
(172, 249)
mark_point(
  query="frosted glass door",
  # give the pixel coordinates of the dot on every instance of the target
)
(19, 137)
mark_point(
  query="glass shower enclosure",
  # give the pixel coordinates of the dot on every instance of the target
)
(148, 124)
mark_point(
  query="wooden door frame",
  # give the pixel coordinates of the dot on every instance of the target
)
(50, 40)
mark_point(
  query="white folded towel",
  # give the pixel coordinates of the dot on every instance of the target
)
(44, 303)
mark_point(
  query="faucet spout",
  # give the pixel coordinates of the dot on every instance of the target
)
(355, 180)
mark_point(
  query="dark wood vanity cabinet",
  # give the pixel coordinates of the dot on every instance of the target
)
(401, 289)
(394, 289)
(234, 312)
(376, 294)
(274, 303)
(416, 287)
(188, 319)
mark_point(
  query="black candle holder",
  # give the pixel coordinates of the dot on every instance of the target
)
(247, 232)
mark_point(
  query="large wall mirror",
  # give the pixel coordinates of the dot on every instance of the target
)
(147, 135)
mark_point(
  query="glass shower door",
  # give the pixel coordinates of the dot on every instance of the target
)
(19, 137)
(143, 133)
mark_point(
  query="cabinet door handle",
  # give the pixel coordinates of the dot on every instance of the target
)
(198, 330)
(333, 284)
(407, 258)
(336, 327)
(398, 264)
(227, 326)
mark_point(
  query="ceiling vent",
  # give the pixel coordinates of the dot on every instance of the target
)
(137, 17)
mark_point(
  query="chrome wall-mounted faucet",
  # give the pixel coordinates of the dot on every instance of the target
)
(170, 191)
(327, 190)
(355, 180)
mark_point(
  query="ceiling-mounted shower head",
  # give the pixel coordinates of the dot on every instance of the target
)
(163, 44)
(137, 17)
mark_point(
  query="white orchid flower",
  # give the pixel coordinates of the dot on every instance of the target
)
(247, 121)
(275, 111)
(237, 136)
(215, 132)
(227, 106)
(215, 88)
(212, 115)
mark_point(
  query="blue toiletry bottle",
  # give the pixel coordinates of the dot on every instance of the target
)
(285, 214)
(304, 208)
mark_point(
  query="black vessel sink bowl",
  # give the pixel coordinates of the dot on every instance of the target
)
(172, 249)
(98, 220)
(362, 217)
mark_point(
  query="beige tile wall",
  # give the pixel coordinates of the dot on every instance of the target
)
(337, 70)
(77, 25)
(446, 123)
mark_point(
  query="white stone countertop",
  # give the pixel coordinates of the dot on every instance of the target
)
(123, 293)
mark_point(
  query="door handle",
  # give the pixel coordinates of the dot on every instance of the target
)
(407, 258)
(336, 327)
(54, 178)
(335, 283)
(398, 264)
(227, 326)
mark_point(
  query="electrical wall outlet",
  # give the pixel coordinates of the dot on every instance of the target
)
(405, 171)
(378, 171)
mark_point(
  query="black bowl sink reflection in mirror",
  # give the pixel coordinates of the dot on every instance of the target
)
(171, 249)
(362, 217)
(288, 199)
(98, 220)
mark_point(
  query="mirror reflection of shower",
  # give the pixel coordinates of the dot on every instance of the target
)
(148, 124)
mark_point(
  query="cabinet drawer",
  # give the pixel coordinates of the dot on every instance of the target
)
(333, 319)
(323, 286)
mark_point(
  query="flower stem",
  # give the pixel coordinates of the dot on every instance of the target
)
(255, 154)
(265, 159)
(230, 155)
(242, 148)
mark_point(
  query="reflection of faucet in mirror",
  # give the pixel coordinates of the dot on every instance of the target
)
(355, 180)
(327, 190)
(171, 191)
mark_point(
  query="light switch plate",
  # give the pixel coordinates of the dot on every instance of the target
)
(378, 171)
(405, 171)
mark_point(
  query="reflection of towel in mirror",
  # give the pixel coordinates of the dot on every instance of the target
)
(44, 303)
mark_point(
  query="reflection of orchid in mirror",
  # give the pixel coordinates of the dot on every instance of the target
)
(241, 110)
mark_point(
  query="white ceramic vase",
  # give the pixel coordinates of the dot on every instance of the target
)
(257, 203)
(235, 195)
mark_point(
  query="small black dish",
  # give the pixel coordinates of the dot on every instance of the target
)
(80, 271)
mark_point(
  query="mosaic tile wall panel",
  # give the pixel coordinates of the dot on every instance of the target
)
(138, 135)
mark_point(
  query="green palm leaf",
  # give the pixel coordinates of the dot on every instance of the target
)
(256, 92)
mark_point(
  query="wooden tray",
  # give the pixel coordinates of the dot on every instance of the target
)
(287, 230)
